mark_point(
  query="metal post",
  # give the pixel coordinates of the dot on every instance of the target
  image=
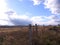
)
(30, 34)
(36, 27)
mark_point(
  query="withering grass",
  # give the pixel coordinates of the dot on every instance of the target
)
(46, 35)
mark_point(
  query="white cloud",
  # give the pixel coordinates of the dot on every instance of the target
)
(46, 20)
(36, 2)
(5, 22)
(53, 6)
(4, 18)
(10, 17)
(25, 19)
(19, 19)
(2, 6)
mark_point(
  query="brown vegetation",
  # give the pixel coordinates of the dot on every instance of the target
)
(46, 35)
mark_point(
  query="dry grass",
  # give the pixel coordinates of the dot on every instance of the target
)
(20, 36)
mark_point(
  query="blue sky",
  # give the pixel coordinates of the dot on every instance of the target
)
(24, 12)
(24, 6)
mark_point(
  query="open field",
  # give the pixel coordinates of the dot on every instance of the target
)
(45, 35)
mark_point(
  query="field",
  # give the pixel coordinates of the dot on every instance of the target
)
(19, 35)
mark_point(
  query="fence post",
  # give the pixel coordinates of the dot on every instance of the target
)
(30, 34)
(36, 27)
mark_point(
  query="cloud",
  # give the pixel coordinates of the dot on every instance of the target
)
(3, 6)
(46, 20)
(15, 19)
(36, 2)
(53, 6)
(57, 19)
(3, 16)
(40, 20)
(19, 19)
(10, 17)
(5, 22)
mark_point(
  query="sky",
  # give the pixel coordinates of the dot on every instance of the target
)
(24, 12)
